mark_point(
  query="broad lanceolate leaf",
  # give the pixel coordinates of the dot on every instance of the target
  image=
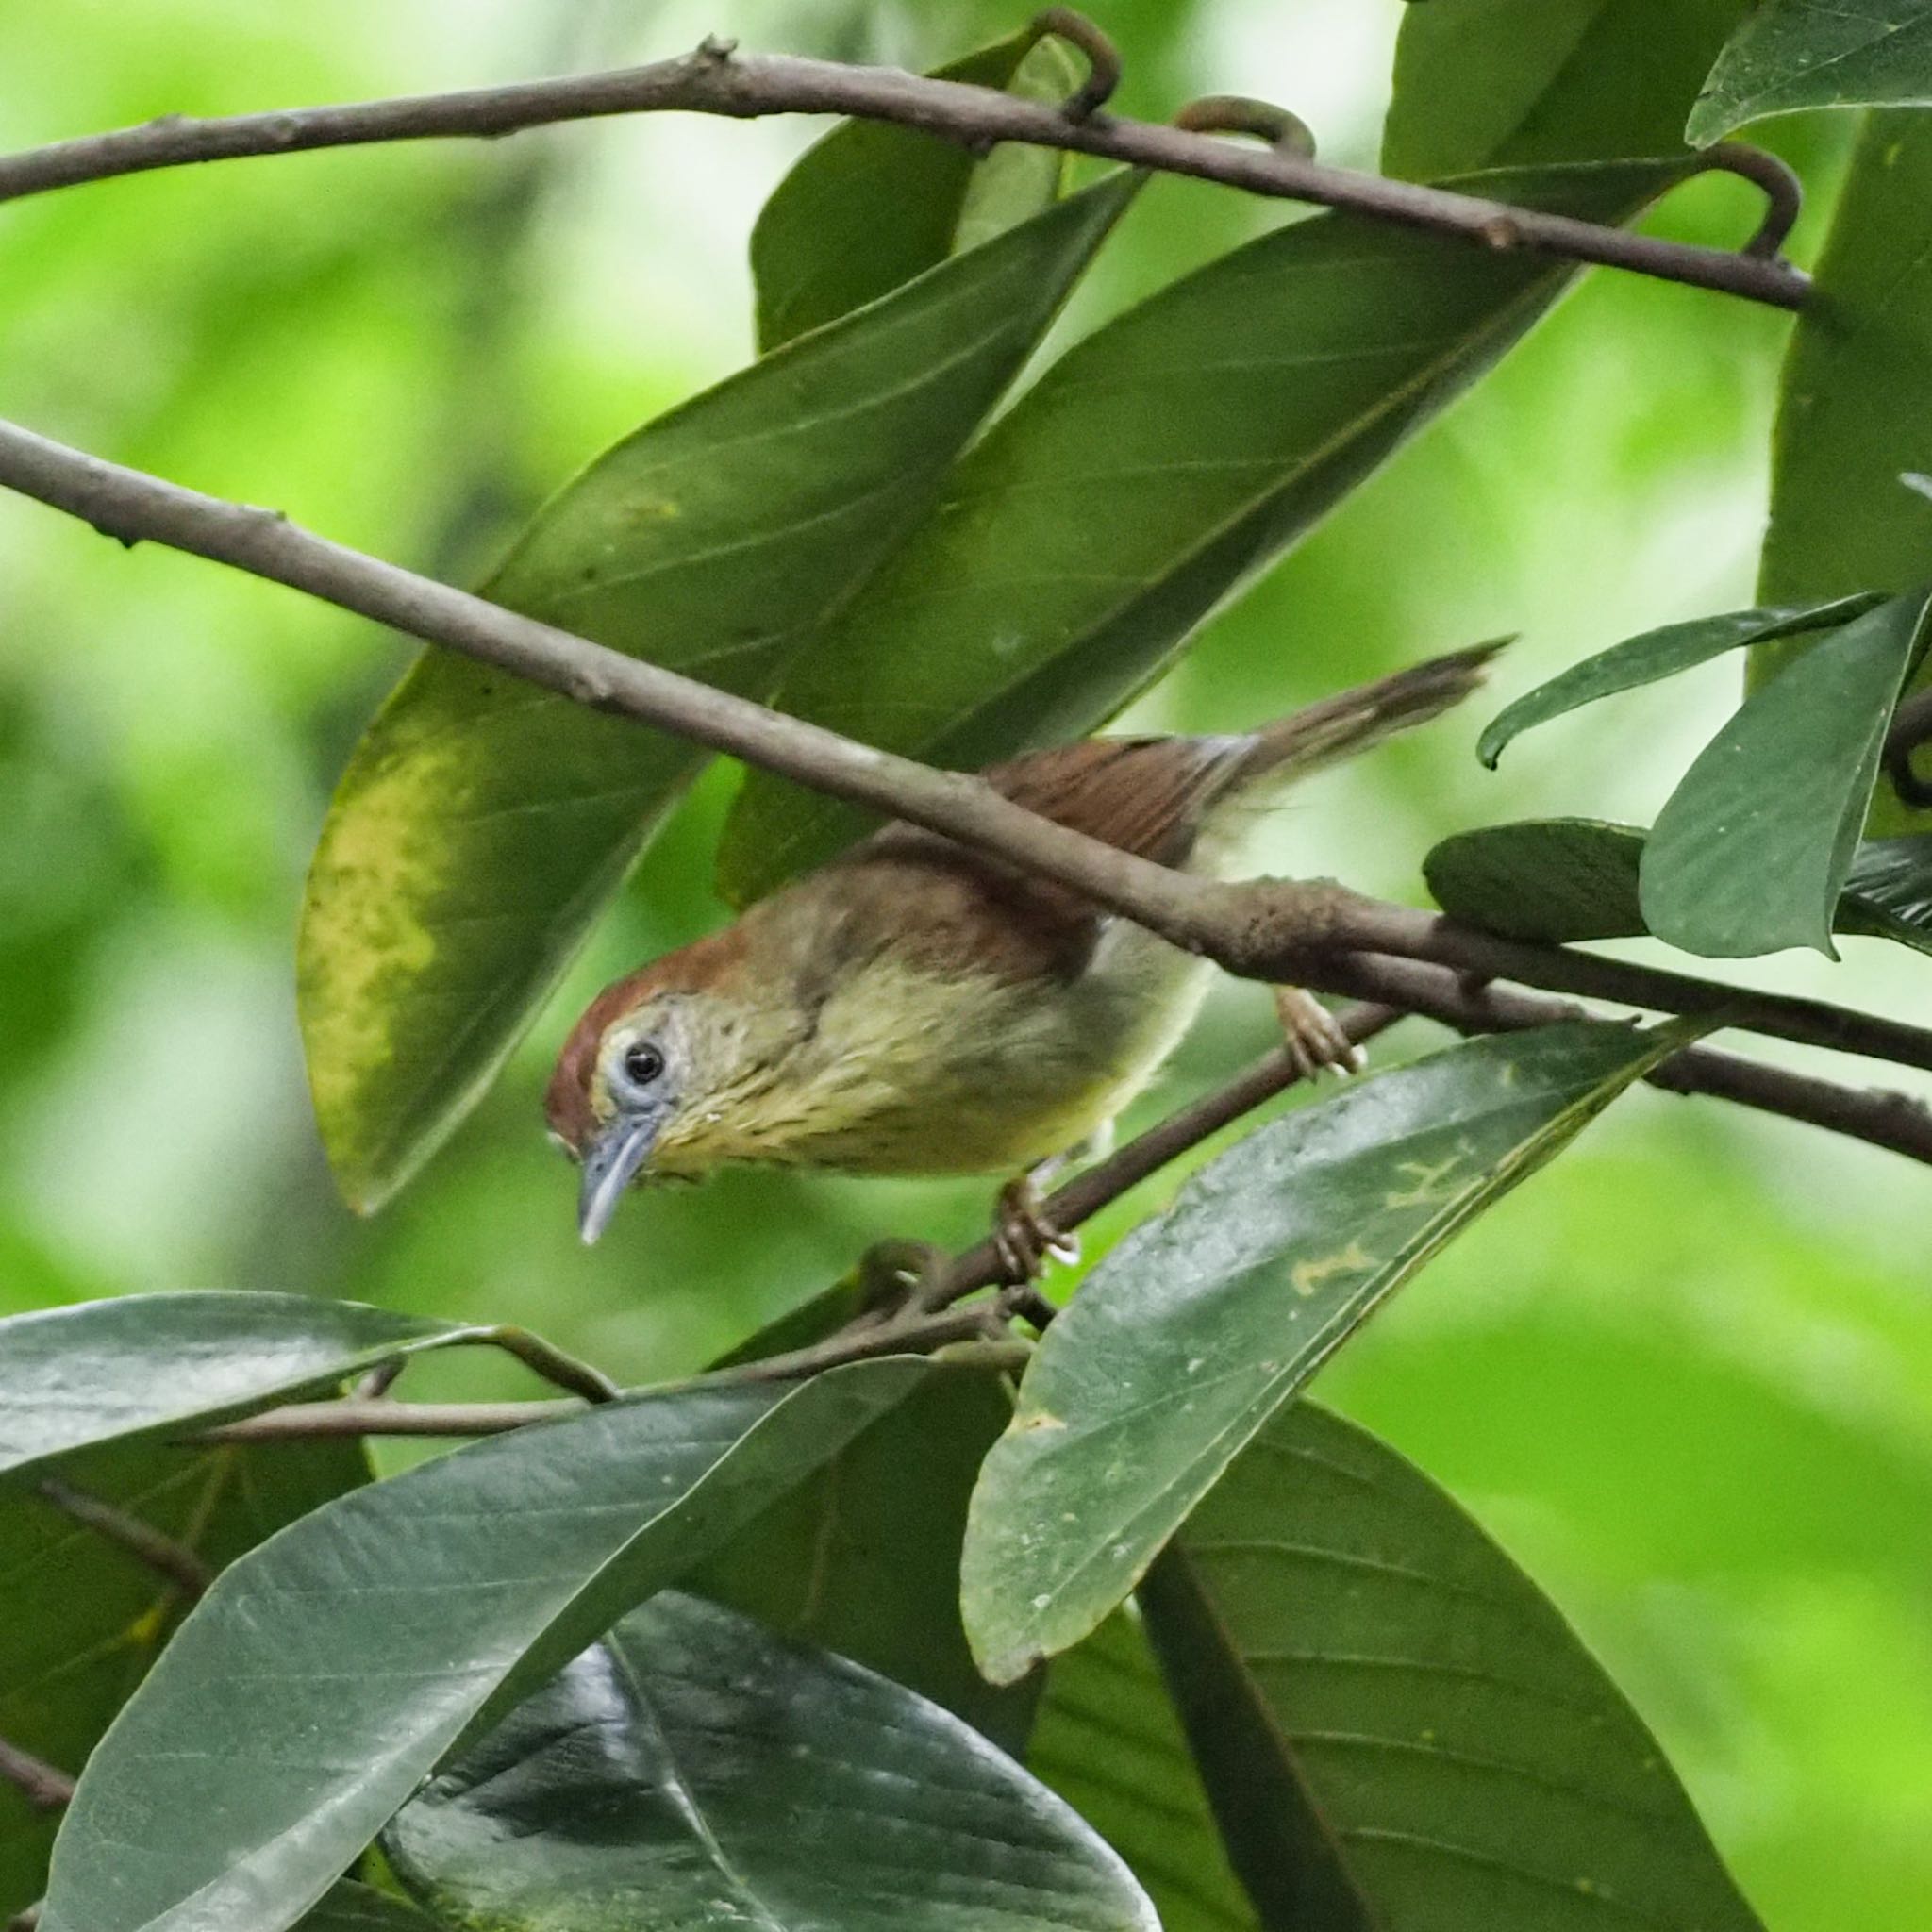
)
(1794, 53)
(481, 824)
(863, 1558)
(82, 1616)
(328, 1673)
(872, 206)
(1855, 416)
(1151, 471)
(1750, 852)
(101, 1372)
(1658, 654)
(1486, 83)
(1201, 1324)
(1569, 880)
(696, 1769)
(1108, 1742)
(1396, 1727)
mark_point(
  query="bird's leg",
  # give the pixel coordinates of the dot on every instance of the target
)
(1022, 1237)
(1313, 1035)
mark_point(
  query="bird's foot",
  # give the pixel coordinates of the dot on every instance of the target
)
(1313, 1036)
(1022, 1237)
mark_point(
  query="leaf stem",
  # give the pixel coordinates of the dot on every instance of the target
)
(172, 1560)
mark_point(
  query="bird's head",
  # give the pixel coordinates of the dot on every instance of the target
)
(652, 1075)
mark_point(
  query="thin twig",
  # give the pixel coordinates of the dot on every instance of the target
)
(174, 1560)
(717, 80)
(1273, 930)
(1889, 1120)
(44, 1786)
(26, 1920)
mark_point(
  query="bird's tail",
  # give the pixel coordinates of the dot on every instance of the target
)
(1353, 719)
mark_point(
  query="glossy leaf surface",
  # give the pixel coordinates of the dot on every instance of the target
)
(1796, 54)
(1658, 654)
(82, 1617)
(97, 1372)
(482, 823)
(871, 206)
(1147, 476)
(1397, 1728)
(696, 1769)
(1202, 1321)
(332, 1671)
(1108, 1742)
(1486, 83)
(1752, 850)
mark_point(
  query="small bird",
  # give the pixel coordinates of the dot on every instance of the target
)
(914, 1007)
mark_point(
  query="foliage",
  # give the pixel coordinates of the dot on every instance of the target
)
(1147, 1639)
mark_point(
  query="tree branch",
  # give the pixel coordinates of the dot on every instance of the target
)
(44, 1786)
(172, 1560)
(717, 81)
(1272, 930)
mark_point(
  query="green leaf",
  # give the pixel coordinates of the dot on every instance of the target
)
(1752, 850)
(694, 1770)
(1569, 880)
(1855, 411)
(82, 1617)
(1204, 1322)
(352, 1908)
(330, 1671)
(100, 1372)
(482, 824)
(1158, 466)
(1488, 83)
(1108, 1741)
(1659, 654)
(1397, 1728)
(1794, 54)
(870, 205)
(863, 1558)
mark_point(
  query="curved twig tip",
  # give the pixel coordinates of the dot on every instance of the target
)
(1782, 188)
(1103, 60)
(1286, 133)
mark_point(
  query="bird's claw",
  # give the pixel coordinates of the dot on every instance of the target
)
(1313, 1036)
(1022, 1237)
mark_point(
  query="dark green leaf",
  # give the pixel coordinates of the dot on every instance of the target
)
(330, 1671)
(1108, 1741)
(1487, 83)
(82, 1617)
(1202, 1322)
(1891, 887)
(482, 824)
(1658, 654)
(100, 1372)
(694, 1770)
(1151, 471)
(1794, 53)
(1562, 880)
(352, 1908)
(863, 1558)
(1855, 414)
(872, 206)
(1751, 851)
(1396, 1727)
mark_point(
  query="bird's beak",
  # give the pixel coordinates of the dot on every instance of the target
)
(611, 1161)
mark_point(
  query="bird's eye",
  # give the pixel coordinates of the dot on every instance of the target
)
(644, 1062)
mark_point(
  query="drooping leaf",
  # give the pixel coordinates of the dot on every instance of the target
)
(1569, 880)
(75, 1377)
(1752, 850)
(1396, 1727)
(1148, 475)
(1855, 411)
(863, 1558)
(1108, 1742)
(871, 206)
(330, 1671)
(482, 824)
(1794, 54)
(82, 1617)
(1204, 1322)
(696, 1769)
(352, 1908)
(1490, 83)
(1659, 654)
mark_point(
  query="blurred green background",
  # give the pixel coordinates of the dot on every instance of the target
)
(1686, 1374)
